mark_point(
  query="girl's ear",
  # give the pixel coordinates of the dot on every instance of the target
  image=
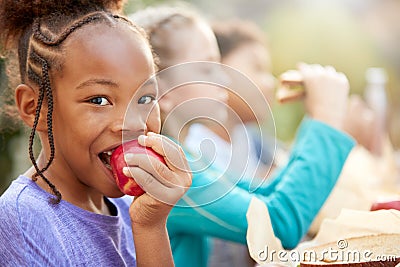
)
(26, 99)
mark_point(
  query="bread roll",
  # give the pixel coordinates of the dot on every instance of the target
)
(291, 87)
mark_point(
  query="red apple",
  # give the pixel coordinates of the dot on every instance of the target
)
(127, 184)
(394, 204)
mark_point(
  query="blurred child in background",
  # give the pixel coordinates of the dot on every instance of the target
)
(243, 46)
(295, 193)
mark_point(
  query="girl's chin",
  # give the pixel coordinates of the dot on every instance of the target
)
(103, 165)
(115, 194)
(112, 191)
(109, 174)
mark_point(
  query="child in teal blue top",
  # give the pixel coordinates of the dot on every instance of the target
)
(293, 197)
(217, 207)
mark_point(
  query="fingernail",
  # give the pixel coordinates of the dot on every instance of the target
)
(128, 156)
(126, 171)
(142, 139)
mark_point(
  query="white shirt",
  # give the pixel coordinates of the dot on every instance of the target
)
(237, 158)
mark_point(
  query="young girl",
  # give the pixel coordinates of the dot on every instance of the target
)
(80, 66)
(294, 195)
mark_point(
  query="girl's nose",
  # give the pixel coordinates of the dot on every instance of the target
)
(117, 124)
(133, 126)
(128, 123)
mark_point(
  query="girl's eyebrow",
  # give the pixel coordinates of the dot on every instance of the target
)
(95, 81)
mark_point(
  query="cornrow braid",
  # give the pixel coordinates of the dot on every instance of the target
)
(56, 40)
(37, 69)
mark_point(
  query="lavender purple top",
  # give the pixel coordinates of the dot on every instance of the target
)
(36, 233)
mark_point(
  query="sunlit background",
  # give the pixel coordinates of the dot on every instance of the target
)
(351, 35)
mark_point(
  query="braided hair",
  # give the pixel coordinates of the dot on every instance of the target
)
(36, 31)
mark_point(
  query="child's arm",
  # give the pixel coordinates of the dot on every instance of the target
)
(164, 186)
(294, 196)
(219, 207)
(151, 243)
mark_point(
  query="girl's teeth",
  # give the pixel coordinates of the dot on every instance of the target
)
(109, 153)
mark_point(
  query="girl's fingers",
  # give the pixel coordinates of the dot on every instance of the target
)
(172, 152)
(156, 168)
(166, 183)
(157, 142)
(155, 188)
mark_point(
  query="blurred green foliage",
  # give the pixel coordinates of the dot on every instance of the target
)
(134, 5)
(7, 134)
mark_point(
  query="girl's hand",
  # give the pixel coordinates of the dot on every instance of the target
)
(164, 184)
(326, 93)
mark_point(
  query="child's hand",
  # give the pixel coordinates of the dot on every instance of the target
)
(164, 184)
(326, 93)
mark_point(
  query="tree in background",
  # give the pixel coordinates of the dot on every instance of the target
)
(8, 132)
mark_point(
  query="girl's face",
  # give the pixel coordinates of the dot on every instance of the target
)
(101, 74)
(193, 42)
(253, 60)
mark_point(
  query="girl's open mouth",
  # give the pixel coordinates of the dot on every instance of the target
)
(105, 158)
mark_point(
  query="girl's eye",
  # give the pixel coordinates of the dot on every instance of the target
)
(147, 99)
(99, 100)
